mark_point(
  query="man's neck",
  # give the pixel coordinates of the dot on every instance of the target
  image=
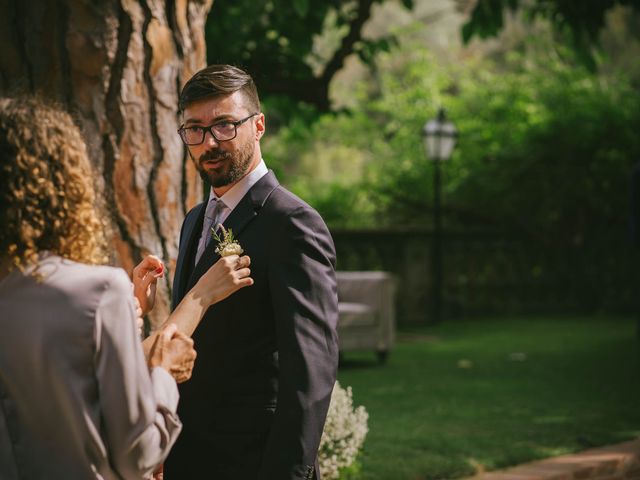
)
(220, 191)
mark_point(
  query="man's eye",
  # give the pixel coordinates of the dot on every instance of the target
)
(194, 129)
(223, 125)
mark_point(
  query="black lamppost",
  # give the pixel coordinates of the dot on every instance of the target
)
(439, 137)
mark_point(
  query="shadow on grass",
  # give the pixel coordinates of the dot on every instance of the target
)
(359, 361)
(470, 396)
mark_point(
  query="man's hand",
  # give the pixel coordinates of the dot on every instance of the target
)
(145, 277)
(173, 351)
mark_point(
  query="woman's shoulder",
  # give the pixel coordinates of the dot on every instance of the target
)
(81, 277)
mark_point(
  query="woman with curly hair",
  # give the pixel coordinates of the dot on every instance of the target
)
(78, 399)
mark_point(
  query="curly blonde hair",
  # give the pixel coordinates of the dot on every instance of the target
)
(47, 199)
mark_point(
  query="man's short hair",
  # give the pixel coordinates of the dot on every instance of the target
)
(217, 80)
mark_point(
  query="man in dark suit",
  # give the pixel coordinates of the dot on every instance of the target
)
(256, 404)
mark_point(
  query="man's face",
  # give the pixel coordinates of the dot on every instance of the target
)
(223, 163)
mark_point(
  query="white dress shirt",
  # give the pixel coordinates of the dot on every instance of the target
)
(230, 199)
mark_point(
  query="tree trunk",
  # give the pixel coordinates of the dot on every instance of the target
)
(118, 65)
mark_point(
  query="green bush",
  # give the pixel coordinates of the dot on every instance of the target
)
(543, 137)
(545, 152)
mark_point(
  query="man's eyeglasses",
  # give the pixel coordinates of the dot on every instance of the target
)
(221, 131)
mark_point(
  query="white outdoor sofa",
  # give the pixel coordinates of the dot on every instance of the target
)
(366, 306)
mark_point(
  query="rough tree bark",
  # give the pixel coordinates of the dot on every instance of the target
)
(118, 66)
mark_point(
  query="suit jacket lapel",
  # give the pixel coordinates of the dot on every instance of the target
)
(237, 221)
(186, 255)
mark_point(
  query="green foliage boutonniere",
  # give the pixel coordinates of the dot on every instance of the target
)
(227, 245)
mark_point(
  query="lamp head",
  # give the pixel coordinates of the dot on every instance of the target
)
(439, 136)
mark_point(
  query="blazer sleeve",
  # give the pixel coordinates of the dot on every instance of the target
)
(302, 284)
(138, 407)
(179, 278)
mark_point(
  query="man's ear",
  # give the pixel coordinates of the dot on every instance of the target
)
(260, 126)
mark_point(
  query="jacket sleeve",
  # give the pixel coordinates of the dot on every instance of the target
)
(138, 406)
(183, 247)
(302, 282)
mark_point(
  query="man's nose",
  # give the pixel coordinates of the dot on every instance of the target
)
(209, 139)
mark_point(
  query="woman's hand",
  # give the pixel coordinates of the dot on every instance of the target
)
(145, 277)
(182, 369)
(159, 473)
(173, 351)
(226, 276)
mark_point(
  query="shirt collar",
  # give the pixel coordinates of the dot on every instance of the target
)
(232, 197)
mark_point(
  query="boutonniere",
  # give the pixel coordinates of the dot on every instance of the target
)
(227, 245)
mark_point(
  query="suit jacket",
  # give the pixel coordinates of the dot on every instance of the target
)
(256, 404)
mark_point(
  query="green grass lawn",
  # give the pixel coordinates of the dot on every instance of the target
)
(489, 393)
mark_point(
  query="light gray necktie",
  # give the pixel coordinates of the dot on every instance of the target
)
(211, 219)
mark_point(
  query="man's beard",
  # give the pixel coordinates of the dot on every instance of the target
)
(236, 165)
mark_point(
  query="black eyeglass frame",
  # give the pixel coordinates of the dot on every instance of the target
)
(209, 128)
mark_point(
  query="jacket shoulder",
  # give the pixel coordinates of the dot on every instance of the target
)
(287, 202)
(194, 210)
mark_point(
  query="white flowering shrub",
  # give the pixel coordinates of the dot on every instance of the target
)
(344, 433)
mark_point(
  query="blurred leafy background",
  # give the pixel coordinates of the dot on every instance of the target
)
(537, 209)
(543, 93)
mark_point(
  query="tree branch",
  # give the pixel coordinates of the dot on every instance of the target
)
(348, 42)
